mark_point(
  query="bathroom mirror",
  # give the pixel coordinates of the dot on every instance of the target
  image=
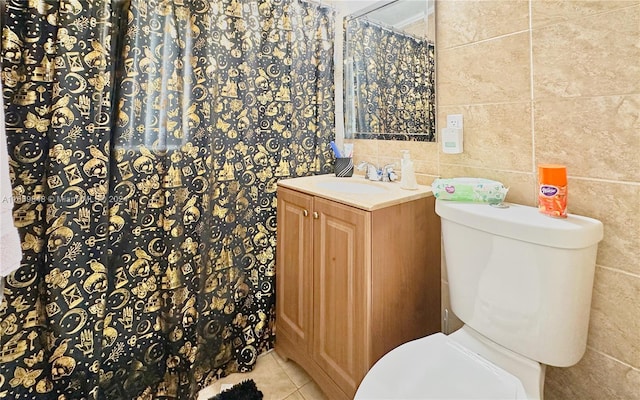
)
(389, 71)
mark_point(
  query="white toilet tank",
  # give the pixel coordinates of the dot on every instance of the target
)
(520, 278)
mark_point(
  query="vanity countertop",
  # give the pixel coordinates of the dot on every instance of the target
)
(356, 191)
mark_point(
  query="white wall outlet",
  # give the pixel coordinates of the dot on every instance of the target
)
(454, 121)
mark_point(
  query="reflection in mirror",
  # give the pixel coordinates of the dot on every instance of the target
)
(389, 71)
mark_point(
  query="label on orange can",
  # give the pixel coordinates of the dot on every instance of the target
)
(552, 200)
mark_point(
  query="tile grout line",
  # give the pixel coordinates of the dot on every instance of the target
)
(532, 95)
(613, 358)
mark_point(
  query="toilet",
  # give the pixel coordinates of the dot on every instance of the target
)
(521, 282)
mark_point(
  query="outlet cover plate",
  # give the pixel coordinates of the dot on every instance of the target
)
(454, 121)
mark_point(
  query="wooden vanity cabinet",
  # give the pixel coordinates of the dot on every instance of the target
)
(353, 284)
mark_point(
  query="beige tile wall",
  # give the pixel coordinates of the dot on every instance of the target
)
(552, 81)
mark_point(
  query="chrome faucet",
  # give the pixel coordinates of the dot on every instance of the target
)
(386, 174)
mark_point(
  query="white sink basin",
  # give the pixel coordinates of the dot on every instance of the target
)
(355, 191)
(349, 186)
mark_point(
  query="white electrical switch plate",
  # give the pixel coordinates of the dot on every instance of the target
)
(454, 121)
(451, 140)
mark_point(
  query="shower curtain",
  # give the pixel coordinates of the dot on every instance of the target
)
(146, 138)
(393, 82)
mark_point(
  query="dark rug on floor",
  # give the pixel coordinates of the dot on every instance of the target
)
(245, 390)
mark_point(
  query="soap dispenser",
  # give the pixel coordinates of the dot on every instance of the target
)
(408, 179)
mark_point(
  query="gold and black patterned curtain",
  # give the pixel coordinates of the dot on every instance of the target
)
(146, 139)
(393, 79)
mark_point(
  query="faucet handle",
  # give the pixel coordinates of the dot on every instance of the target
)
(374, 173)
(370, 170)
(388, 175)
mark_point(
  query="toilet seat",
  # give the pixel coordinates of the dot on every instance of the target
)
(437, 367)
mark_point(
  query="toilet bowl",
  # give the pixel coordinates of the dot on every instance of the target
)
(462, 365)
(521, 282)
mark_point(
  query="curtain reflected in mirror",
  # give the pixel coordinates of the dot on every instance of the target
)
(389, 73)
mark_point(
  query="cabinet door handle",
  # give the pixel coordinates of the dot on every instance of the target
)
(305, 213)
(315, 215)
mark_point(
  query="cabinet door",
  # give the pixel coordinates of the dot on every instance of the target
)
(294, 267)
(341, 292)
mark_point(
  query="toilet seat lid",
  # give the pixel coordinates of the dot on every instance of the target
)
(436, 367)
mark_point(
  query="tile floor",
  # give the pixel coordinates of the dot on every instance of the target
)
(276, 378)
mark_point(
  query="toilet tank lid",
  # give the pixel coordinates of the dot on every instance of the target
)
(524, 223)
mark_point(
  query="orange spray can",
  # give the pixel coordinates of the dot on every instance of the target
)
(552, 190)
